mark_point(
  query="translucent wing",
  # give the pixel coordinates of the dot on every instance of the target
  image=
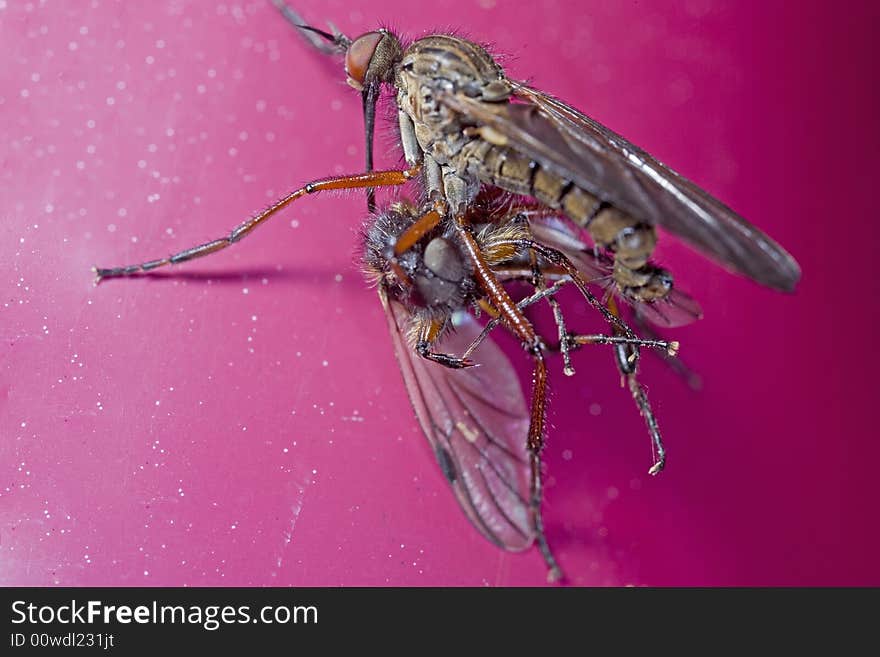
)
(605, 164)
(477, 421)
(677, 309)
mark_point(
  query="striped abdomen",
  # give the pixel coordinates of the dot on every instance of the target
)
(631, 241)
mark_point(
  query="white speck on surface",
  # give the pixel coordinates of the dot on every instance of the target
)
(595, 409)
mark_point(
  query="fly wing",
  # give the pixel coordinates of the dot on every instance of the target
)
(477, 421)
(676, 309)
(605, 164)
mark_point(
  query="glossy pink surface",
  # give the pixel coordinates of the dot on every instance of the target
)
(242, 421)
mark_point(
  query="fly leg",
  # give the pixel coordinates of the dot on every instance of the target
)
(627, 359)
(694, 380)
(539, 284)
(336, 44)
(517, 322)
(626, 353)
(546, 293)
(428, 331)
(329, 44)
(668, 348)
(558, 259)
(376, 178)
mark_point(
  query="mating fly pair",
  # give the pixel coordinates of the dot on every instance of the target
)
(469, 135)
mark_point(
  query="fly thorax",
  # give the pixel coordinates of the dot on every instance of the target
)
(433, 274)
(442, 64)
(443, 280)
(438, 129)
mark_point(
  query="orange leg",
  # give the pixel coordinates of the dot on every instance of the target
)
(372, 179)
(424, 225)
(519, 324)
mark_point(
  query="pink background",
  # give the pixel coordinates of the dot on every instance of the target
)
(242, 422)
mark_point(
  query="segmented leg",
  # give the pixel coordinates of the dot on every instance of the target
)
(523, 329)
(428, 331)
(575, 340)
(626, 351)
(554, 572)
(539, 284)
(669, 347)
(523, 304)
(329, 44)
(627, 358)
(421, 227)
(373, 179)
(693, 379)
(557, 258)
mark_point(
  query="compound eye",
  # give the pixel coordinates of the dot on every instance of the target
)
(359, 55)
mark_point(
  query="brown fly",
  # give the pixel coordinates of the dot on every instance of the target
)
(475, 418)
(468, 125)
(468, 131)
